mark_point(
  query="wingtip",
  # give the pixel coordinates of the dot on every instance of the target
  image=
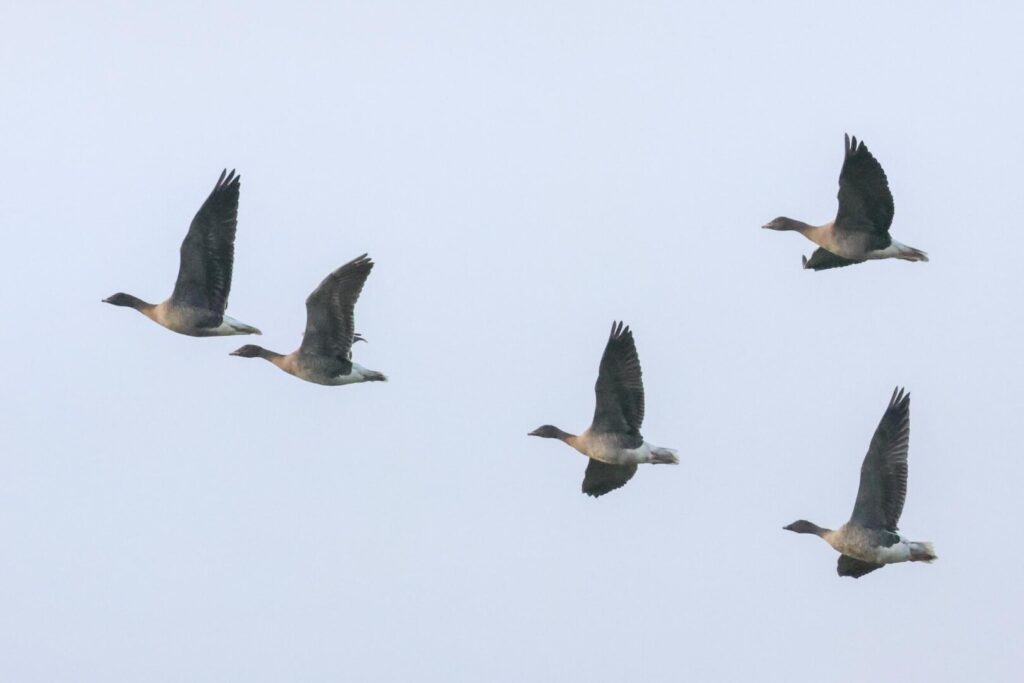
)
(900, 397)
(228, 179)
(853, 145)
(361, 261)
(619, 329)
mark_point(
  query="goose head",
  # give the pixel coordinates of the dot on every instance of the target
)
(251, 351)
(782, 223)
(549, 432)
(122, 299)
(802, 526)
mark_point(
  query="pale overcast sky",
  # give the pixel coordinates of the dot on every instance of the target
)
(523, 173)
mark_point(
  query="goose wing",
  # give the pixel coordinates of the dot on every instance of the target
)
(823, 259)
(330, 312)
(883, 475)
(865, 202)
(602, 477)
(851, 566)
(620, 386)
(208, 250)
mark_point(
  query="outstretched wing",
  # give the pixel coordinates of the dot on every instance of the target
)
(208, 251)
(883, 475)
(849, 566)
(823, 259)
(602, 477)
(620, 386)
(865, 202)
(330, 311)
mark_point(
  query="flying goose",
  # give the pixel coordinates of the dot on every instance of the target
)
(870, 539)
(613, 441)
(860, 230)
(196, 306)
(325, 355)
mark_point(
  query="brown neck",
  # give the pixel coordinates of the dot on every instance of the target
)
(564, 436)
(818, 530)
(285, 362)
(267, 354)
(800, 226)
(552, 432)
(130, 301)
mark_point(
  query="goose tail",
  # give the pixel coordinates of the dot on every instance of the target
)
(911, 254)
(922, 552)
(242, 328)
(230, 327)
(664, 456)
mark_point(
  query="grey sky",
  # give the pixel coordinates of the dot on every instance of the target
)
(523, 174)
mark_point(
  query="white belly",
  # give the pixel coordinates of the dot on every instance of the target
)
(230, 326)
(894, 250)
(899, 552)
(637, 455)
(358, 374)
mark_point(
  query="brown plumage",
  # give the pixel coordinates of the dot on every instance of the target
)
(860, 231)
(613, 442)
(200, 297)
(325, 355)
(871, 538)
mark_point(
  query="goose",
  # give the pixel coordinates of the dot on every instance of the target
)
(613, 442)
(196, 307)
(870, 539)
(860, 231)
(325, 355)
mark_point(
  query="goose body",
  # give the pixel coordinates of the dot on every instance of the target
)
(860, 231)
(196, 307)
(873, 545)
(325, 355)
(614, 450)
(317, 372)
(613, 442)
(195, 322)
(871, 539)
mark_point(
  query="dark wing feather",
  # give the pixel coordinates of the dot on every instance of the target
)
(330, 309)
(602, 477)
(620, 386)
(883, 475)
(849, 566)
(823, 259)
(208, 251)
(865, 202)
